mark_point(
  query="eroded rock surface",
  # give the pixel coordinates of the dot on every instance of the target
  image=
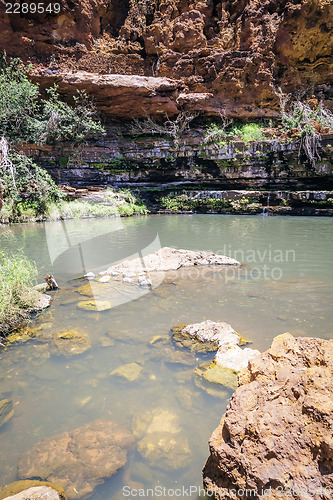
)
(79, 460)
(277, 430)
(222, 55)
(206, 336)
(170, 259)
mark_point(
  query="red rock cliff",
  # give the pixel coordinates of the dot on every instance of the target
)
(222, 56)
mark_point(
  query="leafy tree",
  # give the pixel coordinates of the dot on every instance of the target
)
(25, 117)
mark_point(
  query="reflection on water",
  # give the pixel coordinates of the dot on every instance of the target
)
(53, 393)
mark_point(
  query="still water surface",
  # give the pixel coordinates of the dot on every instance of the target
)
(285, 284)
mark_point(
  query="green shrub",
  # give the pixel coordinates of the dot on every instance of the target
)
(219, 135)
(251, 132)
(25, 185)
(25, 117)
(61, 122)
(17, 275)
(305, 121)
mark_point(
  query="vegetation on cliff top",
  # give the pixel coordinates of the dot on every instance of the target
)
(26, 117)
(17, 298)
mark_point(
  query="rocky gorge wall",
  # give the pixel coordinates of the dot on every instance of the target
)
(156, 56)
(236, 177)
(159, 162)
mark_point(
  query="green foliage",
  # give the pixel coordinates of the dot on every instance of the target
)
(16, 297)
(220, 135)
(60, 121)
(18, 103)
(122, 202)
(251, 132)
(216, 135)
(307, 122)
(25, 117)
(184, 203)
(25, 185)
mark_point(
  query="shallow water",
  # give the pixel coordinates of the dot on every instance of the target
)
(285, 284)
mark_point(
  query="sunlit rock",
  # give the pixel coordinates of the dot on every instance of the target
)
(42, 301)
(79, 460)
(32, 490)
(104, 279)
(205, 336)
(89, 275)
(234, 357)
(276, 434)
(168, 259)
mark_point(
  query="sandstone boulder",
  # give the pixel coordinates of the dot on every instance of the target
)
(206, 336)
(79, 460)
(276, 434)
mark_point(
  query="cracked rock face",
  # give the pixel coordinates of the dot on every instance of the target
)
(220, 55)
(277, 430)
(79, 460)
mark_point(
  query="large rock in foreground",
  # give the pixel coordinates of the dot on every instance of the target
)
(31, 490)
(37, 493)
(276, 434)
(171, 259)
(79, 460)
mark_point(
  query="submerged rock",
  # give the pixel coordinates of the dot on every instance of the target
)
(70, 342)
(276, 434)
(6, 411)
(161, 443)
(216, 374)
(235, 358)
(130, 371)
(94, 305)
(85, 290)
(79, 460)
(206, 336)
(165, 451)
